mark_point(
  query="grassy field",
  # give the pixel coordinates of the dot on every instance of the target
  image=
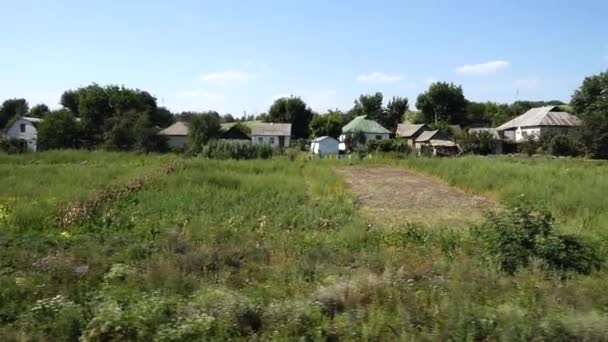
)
(258, 250)
(573, 190)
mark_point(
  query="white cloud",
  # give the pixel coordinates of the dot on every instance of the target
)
(228, 76)
(379, 77)
(527, 83)
(486, 68)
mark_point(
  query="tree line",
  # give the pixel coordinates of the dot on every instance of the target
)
(119, 118)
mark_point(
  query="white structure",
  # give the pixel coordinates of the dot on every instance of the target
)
(371, 129)
(25, 128)
(536, 122)
(177, 134)
(324, 146)
(277, 135)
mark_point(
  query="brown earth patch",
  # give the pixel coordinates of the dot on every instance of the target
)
(391, 196)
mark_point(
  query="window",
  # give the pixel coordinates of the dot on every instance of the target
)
(22, 128)
(378, 137)
(260, 140)
(271, 140)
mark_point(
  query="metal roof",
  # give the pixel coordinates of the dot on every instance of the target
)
(361, 124)
(179, 128)
(318, 139)
(31, 119)
(279, 129)
(426, 136)
(442, 143)
(542, 116)
(408, 130)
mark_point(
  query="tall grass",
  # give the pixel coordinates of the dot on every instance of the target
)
(574, 190)
(265, 250)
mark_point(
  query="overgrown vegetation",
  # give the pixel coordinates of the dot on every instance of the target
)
(276, 250)
(217, 149)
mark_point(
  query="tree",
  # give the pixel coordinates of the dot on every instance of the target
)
(59, 130)
(69, 100)
(329, 124)
(369, 105)
(203, 128)
(442, 102)
(395, 112)
(39, 111)
(590, 103)
(12, 108)
(291, 110)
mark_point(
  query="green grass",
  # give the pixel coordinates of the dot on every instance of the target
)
(574, 190)
(259, 250)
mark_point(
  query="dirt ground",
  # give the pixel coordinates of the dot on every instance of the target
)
(391, 196)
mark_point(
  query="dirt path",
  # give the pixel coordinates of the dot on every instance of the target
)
(393, 196)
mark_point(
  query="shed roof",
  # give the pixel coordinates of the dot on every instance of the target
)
(426, 136)
(542, 116)
(319, 139)
(278, 129)
(179, 128)
(360, 123)
(407, 130)
(442, 143)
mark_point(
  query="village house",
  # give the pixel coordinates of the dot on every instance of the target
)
(277, 135)
(434, 143)
(176, 134)
(409, 132)
(233, 132)
(537, 122)
(324, 146)
(24, 128)
(370, 128)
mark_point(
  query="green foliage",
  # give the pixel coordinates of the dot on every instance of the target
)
(565, 145)
(329, 124)
(12, 108)
(291, 110)
(529, 146)
(218, 149)
(59, 130)
(395, 112)
(520, 235)
(386, 146)
(442, 102)
(39, 111)
(355, 141)
(12, 145)
(590, 102)
(203, 128)
(370, 105)
(482, 143)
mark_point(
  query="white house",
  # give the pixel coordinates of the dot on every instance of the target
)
(371, 129)
(25, 128)
(177, 134)
(277, 135)
(324, 146)
(537, 122)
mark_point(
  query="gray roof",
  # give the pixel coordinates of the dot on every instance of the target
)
(31, 119)
(408, 130)
(426, 136)
(542, 116)
(179, 128)
(278, 129)
(318, 139)
(442, 143)
(361, 124)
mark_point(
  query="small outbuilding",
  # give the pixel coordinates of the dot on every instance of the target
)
(440, 148)
(25, 128)
(324, 146)
(409, 132)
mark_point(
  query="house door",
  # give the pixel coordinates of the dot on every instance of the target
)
(281, 141)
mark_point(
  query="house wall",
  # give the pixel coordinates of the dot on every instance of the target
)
(521, 133)
(324, 147)
(272, 140)
(368, 137)
(176, 141)
(30, 135)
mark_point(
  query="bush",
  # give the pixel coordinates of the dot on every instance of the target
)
(231, 150)
(482, 143)
(565, 145)
(517, 236)
(387, 146)
(530, 146)
(12, 145)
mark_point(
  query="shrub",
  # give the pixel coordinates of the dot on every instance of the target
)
(230, 150)
(530, 146)
(517, 236)
(565, 145)
(387, 146)
(12, 145)
(482, 143)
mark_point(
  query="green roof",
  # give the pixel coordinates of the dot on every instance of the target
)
(366, 126)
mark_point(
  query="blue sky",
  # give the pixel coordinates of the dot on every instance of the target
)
(235, 56)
